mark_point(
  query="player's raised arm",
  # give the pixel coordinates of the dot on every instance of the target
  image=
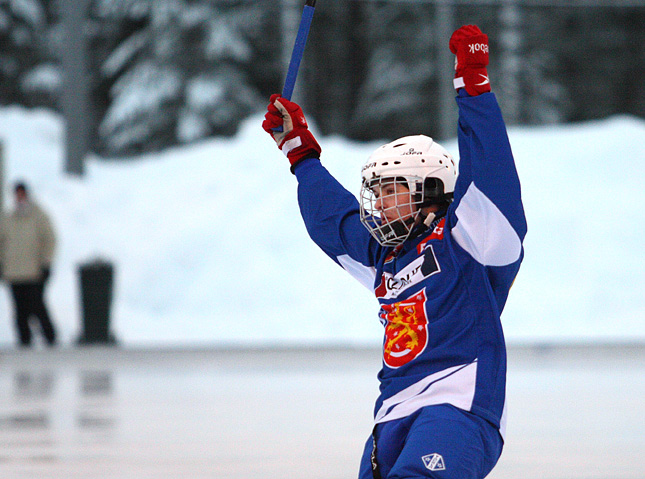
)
(330, 212)
(491, 222)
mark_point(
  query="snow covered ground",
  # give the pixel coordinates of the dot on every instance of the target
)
(209, 247)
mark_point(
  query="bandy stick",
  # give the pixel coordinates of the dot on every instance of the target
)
(298, 50)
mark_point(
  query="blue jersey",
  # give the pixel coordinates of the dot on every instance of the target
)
(441, 293)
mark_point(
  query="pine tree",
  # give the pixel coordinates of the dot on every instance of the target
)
(26, 75)
(395, 97)
(182, 75)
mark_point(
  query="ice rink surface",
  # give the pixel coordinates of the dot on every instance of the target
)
(101, 412)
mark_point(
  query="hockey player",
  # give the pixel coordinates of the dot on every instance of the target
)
(440, 253)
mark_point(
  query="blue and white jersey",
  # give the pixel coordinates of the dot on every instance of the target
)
(441, 294)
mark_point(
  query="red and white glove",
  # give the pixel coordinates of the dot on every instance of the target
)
(470, 46)
(295, 141)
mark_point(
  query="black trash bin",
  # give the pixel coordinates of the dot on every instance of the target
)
(97, 279)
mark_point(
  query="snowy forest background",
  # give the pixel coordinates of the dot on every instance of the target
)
(168, 72)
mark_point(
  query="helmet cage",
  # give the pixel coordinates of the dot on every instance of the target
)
(391, 226)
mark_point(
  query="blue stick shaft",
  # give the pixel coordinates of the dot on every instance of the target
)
(298, 51)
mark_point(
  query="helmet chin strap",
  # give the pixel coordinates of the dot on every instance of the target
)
(412, 223)
(401, 227)
(426, 218)
(429, 219)
(433, 216)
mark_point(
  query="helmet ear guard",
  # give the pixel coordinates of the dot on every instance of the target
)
(433, 193)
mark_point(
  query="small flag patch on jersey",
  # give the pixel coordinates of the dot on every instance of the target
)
(434, 462)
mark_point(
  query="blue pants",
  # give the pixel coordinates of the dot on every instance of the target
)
(434, 442)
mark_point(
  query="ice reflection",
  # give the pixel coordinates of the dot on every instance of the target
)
(33, 384)
(26, 420)
(29, 390)
(96, 383)
(95, 410)
(40, 400)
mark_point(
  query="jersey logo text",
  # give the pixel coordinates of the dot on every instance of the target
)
(424, 266)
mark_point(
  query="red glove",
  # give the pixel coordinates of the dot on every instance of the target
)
(295, 141)
(471, 47)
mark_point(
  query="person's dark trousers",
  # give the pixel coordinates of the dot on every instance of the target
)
(29, 300)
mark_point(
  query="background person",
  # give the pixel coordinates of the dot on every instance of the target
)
(27, 243)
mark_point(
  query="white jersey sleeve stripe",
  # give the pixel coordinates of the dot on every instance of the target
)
(484, 232)
(364, 274)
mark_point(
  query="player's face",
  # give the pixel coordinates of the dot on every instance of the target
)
(393, 201)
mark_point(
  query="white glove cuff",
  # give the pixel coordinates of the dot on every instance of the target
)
(291, 144)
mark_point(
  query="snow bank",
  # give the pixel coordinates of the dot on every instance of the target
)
(209, 247)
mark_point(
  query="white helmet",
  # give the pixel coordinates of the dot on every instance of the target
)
(425, 168)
